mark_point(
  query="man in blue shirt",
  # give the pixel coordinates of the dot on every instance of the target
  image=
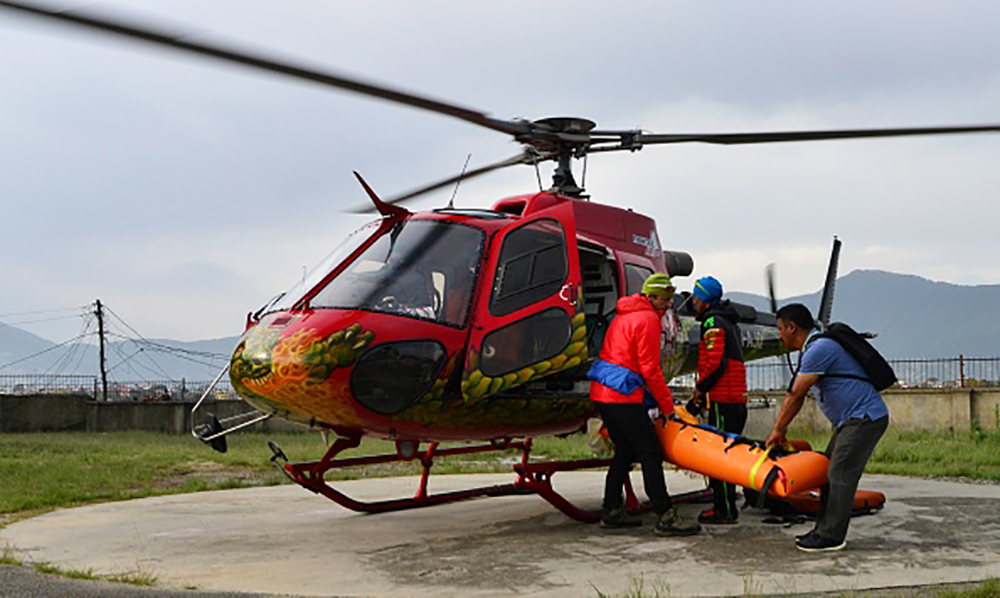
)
(856, 410)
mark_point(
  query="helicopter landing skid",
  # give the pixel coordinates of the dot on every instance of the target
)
(532, 478)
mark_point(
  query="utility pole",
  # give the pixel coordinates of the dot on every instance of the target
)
(100, 333)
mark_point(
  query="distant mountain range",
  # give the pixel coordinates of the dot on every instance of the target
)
(913, 316)
(147, 359)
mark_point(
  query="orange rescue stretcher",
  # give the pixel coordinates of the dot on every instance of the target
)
(865, 502)
(733, 459)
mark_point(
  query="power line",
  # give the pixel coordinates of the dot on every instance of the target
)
(40, 320)
(174, 351)
(42, 352)
(155, 365)
(178, 351)
(136, 332)
(125, 361)
(161, 373)
(45, 311)
(181, 355)
(61, 364)
(87, 332)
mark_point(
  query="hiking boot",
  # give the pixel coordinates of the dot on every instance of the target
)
(815, 543)
(671, 524)
(709, 517)
(618, 518)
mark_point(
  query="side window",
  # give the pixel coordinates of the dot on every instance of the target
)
(525, 342)
(532, 266)
(634, 277)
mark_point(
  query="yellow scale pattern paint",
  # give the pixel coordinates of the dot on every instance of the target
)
(290, 375)
(476, 385)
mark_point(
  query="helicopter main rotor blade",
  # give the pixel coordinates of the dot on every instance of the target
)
(134, 31)
(778, 137)
(526, 157)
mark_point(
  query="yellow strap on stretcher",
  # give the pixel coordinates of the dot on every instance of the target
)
(753, 470)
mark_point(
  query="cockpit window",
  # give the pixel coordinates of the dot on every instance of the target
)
(289, 298)
(531, 267)
(419, 268)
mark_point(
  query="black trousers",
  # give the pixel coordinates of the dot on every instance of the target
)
(849, 450)
(728, 417)
(635, 440)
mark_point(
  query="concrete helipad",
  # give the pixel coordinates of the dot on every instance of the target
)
(286, 540)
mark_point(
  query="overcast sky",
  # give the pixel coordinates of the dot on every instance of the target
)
(184, 193)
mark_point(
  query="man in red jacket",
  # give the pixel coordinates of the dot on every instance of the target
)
(722, 383)
(627, 369)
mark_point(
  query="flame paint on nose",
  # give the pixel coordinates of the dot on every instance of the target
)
(299, 372)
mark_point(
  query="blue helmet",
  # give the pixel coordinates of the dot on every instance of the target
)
(708, 289)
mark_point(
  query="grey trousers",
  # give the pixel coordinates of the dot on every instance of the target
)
(849, 450)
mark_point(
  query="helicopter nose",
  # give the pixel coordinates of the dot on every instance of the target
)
(334, 371)
(389, 378)
(302, 369)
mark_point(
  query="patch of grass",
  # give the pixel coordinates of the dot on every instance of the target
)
(43, 471)
(973, 455)
(140, 577)
(987, 589)
(135, 578)
(751, 586)
(48, 470)
(7, 557)
(636, 587)
(51, 569)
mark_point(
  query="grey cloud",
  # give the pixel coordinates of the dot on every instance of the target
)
(110, 146)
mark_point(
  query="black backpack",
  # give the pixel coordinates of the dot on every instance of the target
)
(879, 371)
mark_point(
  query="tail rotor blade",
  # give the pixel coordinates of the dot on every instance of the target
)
(769, 273)
(826, 303)
(773, 296)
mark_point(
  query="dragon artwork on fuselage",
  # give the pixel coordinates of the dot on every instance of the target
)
(462, 324)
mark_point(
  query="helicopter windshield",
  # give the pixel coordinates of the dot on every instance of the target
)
(341, 252)
(420, 268)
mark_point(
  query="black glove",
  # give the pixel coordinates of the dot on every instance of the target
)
(695, 405)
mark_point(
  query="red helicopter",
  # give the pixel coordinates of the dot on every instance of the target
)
(461, 324)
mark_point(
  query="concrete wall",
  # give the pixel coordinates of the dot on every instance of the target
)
(49, 413)
(764, 409)
(43, 413)
(936, 409)
(910, 409)
(986, 408)
(171, 417)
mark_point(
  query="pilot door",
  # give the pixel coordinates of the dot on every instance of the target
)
(529, 320)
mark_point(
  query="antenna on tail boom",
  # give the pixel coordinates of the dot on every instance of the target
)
(826, 303)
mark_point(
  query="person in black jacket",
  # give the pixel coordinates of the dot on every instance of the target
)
(722, 384)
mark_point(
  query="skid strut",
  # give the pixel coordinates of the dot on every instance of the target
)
(532, 478)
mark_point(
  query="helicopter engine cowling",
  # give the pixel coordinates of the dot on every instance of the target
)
(678, 263)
